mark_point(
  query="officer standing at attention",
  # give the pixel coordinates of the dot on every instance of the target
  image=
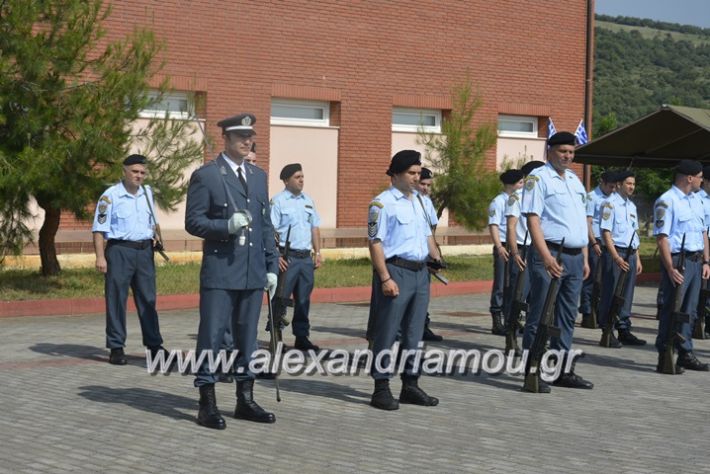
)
(554, 203)
(678, 212)
(400, 241)
(424, 187)
(706, 206)
(605, 189)
(517, 230)
(497, 228)
(619, 223)
(294, 209)
(228, 207)
(124, 216)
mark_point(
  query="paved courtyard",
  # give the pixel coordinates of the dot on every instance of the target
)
(64, 408)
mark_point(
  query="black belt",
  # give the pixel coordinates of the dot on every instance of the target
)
(622, 250)
(565, 250)
(692, 256)
(134, 244)
(404, 263)
(296, 253)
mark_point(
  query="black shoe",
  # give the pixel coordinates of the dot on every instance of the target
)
(117, 357)
(430, 336)
(498, 327)
(225, 378)
(209, 416)
(265, 375)
(572, 380)
(690, 362)
(628, 339)
(588, 321)
(304, 344)
(412, 394)
(247, 408)
(382, 396)
(613, 342)
(154, 351)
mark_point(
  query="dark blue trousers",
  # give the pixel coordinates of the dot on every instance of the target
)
(611, 272)
(513, 272)
(585, 301)
(498, 282)
(690, 290)
(298, 283)
(134, 268)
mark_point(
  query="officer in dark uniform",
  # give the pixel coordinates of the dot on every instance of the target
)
(228, 206)
(400, 241)
(124, 216)
(678, 212)
(295, 210)
(554, 202)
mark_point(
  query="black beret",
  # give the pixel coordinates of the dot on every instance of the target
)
(290, 170)
(608, 176)
(706, 172)
(689, 167)
(531, 165)
(134, 160)
(402, 160)
(561, 138)
(242, 124)
(426, 174)
(511, 176)
(623, 174)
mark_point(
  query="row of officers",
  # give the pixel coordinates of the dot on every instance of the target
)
(228, 207)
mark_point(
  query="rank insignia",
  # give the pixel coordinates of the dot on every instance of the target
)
(102, 218)
(659, 222)
(491, 212)
(373, 218)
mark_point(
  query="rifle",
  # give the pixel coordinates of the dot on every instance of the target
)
(432, 265)
(281, 297)
(545, 330)
(618, 299)
(703, 311)
(513, 323)
(666, 364)
(273, 346)
(596, 296)
(158, 245)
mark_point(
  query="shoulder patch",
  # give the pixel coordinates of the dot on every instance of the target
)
(105, 199)
(606, 215)
(492, 211)
(373, 218)
(660, 213)
(530, 182)
(662, 204)
(512, 199)
(101, 218)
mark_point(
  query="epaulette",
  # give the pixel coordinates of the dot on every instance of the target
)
(376, 203)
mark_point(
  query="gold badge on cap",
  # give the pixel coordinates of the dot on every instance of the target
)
(246, 121)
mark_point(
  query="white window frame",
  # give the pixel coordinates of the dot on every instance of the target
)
(400, 127)
(323, 106)
(521, 119)
(169, 98)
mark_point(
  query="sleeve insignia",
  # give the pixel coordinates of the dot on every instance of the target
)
(512, 199)
(530, 183)
(101, 218)
(660, 213)
(373, 218)
(377, 203)
(662, 204)
(492, 211)
(606, 215)
(102, 207)
(105, 199)
(659, 222)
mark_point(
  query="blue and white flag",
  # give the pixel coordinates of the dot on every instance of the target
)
(581, 133)
(551, 130)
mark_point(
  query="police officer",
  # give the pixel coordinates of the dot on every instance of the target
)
(424, 188)
(619, 227)
(679, 212)
(295, 210)
(497, 228)
(400, 241)
(554, 203)
(706, 206)
(228, 206)
(518, 239)
(605, 189)
(124, 216)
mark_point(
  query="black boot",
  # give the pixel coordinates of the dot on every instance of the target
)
(304, 344)
(588, 321)
(498, 327)
(612, 342)
(382, 397)
(247, 408)
(208, 415)
(687, 360)
(430, 336)
(117, 357)
(411, 393)
(628, 339)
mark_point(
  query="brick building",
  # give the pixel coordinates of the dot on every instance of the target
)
(340, 85)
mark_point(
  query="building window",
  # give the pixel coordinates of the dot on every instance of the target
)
(300, 112)
(414, 120)
(177, 105)
(517, 126)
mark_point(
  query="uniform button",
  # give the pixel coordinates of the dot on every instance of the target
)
(225, 204)
(215, 250)
(248, 200)
(249, 229)
(250, 244)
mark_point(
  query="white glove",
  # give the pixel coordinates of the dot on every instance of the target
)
(238, 221)
(271, 282)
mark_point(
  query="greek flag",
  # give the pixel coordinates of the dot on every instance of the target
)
(551, 130)
(581, 133)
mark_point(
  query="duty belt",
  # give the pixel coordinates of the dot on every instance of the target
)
(404, 263)
(565, 250)
(134, 244)
(692, 256)
(296, 253)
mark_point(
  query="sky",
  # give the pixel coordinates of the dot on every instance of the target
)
(685, 12)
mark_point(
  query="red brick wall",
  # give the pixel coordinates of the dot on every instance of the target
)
(368, 56)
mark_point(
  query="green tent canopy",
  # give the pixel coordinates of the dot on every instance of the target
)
(658, 140)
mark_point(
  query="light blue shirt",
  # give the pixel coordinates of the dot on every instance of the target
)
(124, 216)
(706, 206)
(496, 214)
(299, 212)
(675, 214)
(400, 224)
(561, 204)
(594, 202)
(512, 209)
(619, 216)
(429, 209)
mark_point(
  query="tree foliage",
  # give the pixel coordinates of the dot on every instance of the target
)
(67, 100)
(463, 184)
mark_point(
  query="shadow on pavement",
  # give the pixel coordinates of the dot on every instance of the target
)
(151, 401)
(322, 388)
(79, 351)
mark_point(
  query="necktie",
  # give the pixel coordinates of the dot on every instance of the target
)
(242, 180)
